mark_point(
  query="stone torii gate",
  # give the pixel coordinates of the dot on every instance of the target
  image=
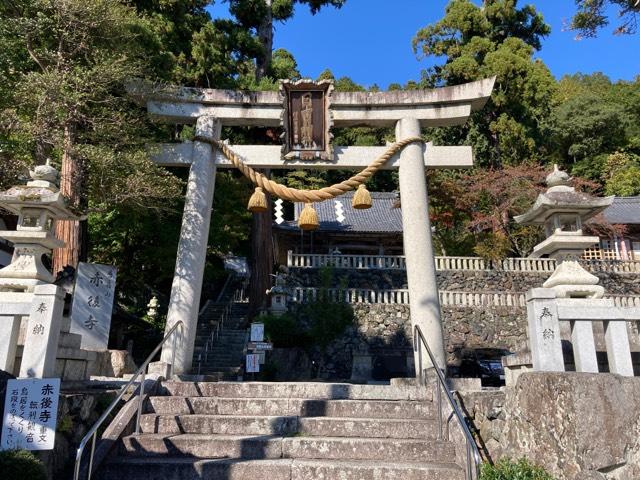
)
(407, 111)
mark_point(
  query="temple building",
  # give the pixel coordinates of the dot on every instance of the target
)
(623, 211)
(344, 229)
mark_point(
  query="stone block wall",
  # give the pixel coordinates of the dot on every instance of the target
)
(378, 344)
(578, 426)
(458, 280)
(462, 280)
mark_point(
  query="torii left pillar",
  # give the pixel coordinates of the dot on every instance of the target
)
(192, 249)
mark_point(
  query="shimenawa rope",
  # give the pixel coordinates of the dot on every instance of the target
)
(308, 196)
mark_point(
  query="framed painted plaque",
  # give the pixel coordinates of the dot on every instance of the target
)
(307, 120)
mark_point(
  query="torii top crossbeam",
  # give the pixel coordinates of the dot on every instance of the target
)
(433, 108)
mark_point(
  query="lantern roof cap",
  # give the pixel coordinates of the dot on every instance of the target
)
(562, 198)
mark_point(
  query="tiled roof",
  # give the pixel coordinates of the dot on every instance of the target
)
(384, 217)
(624, 210)
(381, 217)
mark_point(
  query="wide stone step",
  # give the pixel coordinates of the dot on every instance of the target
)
(271, 447)
(293, 407)
(373, 470)
(279, 469)
(287, 425)
(309, 390)
(195, 469)
(367, 427)
(203, 446)
(384, 449)
(219, 424)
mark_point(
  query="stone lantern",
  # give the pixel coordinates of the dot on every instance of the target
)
(279, 293)
(38, 204)
(279, 297)
(563, 211)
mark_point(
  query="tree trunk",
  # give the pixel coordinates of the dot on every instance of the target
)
(262, 260)
(72, 233)
(265, 34)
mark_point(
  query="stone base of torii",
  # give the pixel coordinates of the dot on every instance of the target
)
(407, 111)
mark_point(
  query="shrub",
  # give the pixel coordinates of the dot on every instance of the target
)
(284, 331)
(21, 464)
(327, 320)
(507, 469)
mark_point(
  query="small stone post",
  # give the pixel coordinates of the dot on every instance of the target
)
(192, 248)
(618, 351)
(9, 331)
(544, 330)
(424, 302)
(43, 332)
(584, 346)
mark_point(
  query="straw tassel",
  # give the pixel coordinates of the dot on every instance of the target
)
(258, 201)
(308, 218)
(362, 198)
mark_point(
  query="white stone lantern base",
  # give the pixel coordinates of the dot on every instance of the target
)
(570, 280)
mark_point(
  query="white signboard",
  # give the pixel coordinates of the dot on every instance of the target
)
(257, 332)
(236, 264)
(30, 414)
(93, 304)
(253, 363)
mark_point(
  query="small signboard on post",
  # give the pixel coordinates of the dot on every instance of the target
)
(257, 332)
(93, 304)
(260, 346)
(30, 414)
(253, 363)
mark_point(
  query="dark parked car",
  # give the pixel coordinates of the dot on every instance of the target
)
(483, 363)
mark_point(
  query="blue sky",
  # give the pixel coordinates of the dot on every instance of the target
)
(370, 41)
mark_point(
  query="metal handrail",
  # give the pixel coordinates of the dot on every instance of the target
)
(473, 454)
(142, 371)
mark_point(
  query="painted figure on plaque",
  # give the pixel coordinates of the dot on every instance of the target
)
(306, 120)
(306, 112)
(303, 124)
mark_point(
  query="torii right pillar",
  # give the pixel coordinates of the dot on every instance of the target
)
(424, 301)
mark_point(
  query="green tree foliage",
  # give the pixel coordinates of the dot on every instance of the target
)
(497, 39)
(593, 119)
(67, 100)
(255, 18)
(592, 16)
(622, 174)
(21, 463)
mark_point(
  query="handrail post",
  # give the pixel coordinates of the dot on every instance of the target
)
(93, 449)
(140, 401)
(439, 403)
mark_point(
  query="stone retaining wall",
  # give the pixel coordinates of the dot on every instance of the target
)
(378, 345)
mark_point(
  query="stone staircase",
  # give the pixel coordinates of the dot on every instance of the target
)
(223, 359)
(292, 431)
